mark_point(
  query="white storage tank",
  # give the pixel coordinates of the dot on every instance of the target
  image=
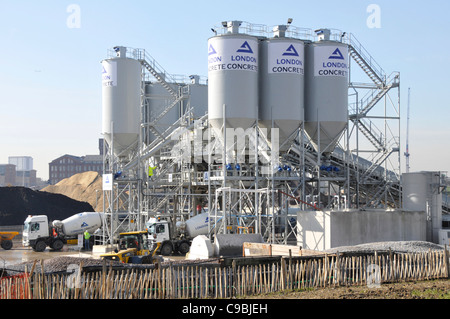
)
(422, 192)
(232, 79)
(198, 96)
(282, 86)
(121, 101)
(326, 91)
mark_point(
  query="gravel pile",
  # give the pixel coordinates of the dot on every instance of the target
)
(394, 246)
(16, 203)
(81, 187)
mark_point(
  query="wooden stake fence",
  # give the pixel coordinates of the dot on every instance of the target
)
(240, 278)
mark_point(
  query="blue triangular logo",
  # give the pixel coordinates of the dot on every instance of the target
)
(211, 50)
(104, 70)
(291, 51)
(245, 48)
(84, 224)
(336, 55)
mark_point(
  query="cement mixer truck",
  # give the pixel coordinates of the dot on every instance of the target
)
(176, 238)
(38, 234)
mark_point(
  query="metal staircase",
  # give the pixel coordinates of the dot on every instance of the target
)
(376, 76)
(161, 75)
(156, 71)
(372, 99)
(370, 133)
(384, 146)
(362, 57)
(383, 85)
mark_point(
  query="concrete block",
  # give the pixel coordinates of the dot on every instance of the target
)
(201, 248)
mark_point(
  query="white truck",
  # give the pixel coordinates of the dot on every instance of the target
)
(178, 238)
(38, 234)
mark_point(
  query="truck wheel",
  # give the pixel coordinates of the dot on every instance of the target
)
(183, 248)
(57, 244)
(166, 249)
(40, 246)
(7, 244)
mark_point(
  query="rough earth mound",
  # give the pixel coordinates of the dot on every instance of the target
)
(16, 203)
(85, 187)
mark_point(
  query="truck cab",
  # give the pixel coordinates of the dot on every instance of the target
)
(161, 234)
(158, 230)
(34, 228)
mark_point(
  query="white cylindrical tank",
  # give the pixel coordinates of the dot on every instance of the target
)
(121, 101)
(79, 223)
(326, 92)
(233, 80)
(197, 225)
(282, 87)
(421, 192)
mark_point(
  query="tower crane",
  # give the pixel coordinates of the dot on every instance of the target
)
(407, 134)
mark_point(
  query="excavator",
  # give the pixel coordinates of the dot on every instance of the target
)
(133, 248)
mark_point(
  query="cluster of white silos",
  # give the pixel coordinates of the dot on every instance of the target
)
(280, 82)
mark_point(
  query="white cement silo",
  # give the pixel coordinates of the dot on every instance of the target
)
(233, 79)
(282, 86)
(326, 91)
(121, 101)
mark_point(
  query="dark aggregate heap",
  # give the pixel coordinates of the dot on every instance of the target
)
(16, 203)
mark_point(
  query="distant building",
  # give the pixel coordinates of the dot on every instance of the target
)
(23, 163)
(7, 175)
(18, 172)
(26, 178)
(68, 165)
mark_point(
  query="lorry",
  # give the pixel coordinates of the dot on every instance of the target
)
(133, 248)
(39, 234)
(176, 238)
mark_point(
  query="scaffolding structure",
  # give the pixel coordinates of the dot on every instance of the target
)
(189, 170)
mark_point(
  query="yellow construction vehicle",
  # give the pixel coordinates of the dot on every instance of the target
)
(6, 238)
(133, 248)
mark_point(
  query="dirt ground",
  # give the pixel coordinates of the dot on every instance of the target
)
(432, 289)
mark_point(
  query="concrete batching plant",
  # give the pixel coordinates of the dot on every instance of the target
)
(278, 129)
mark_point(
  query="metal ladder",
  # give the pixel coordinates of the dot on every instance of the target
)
(156, 71)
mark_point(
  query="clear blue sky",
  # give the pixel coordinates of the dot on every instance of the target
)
(50, 82)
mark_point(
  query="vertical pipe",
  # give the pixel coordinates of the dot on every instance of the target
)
(111, 205)
(257, 213)
(209, 182)
(224, 169)
(302, 144)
